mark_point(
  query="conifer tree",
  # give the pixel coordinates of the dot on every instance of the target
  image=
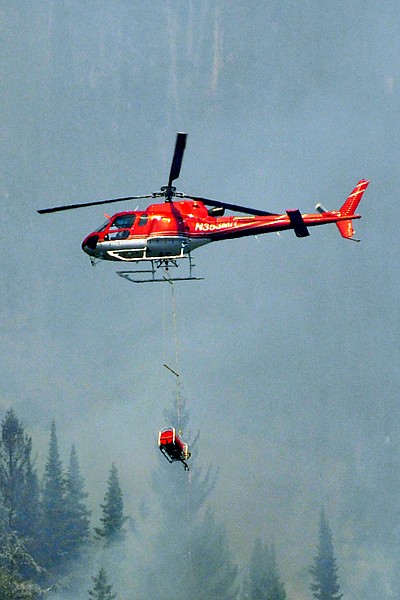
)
(101, 590)
(15, 470)
(77, 515)
(112, 519)
(263, 581)
(28, 518)
(276, 589)
(211, 573)
(53, 542)
(324, 570)
(255, 584)
(19, 493)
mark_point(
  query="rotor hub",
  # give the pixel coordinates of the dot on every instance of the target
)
(168, 191)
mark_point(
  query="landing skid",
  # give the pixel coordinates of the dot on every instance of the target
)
(165, 264)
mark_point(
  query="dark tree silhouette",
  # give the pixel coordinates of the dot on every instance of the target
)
(211, 573)
(101, 590)
(113, 519)
(324, 570)
(16, 474)
(77, 514)
(54, 515)
(263, 581)
(28, 516)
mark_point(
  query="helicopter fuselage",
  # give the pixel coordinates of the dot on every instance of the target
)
(172, 230)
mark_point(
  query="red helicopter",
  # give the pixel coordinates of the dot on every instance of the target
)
(165, 233)
(172, 446)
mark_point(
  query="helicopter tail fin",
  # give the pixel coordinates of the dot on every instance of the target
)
(348, 209)
(351, 203)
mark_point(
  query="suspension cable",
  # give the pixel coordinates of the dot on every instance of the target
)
(178, 385)
(175, 368)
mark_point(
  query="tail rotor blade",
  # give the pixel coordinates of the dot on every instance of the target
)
(177, 159)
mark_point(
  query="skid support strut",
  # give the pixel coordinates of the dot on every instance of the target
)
(160, 263)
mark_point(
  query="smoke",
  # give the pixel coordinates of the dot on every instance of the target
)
(288, 348)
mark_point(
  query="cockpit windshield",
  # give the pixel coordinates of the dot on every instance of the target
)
(102, 227)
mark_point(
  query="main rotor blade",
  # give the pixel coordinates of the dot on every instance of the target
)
(235, 207)
(71, 206)
(177, 159)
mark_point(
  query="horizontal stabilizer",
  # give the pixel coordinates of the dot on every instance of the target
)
(346, 229)
(297, 222)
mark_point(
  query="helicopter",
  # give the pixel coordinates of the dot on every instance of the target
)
(165, 233)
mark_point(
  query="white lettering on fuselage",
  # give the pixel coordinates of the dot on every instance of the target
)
(215, 226)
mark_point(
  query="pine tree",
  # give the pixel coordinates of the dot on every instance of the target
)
(20, 500)
(101, 589)
(15, 471)
(28, 518)
(77, 515)
(53, 542)
(275, 589)
(255, 585)
(211, 573)
(263, 581)
(113, 518)
(324, 570)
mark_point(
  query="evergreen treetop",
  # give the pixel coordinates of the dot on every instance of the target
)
(324, 570)
(77, 514)
(112, 518)
(101, 590)
(54, 481)
(263, 581)
(53, 507)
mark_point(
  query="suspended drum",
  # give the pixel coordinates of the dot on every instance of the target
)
(172, 446)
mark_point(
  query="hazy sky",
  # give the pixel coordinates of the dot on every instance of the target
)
(289, 349)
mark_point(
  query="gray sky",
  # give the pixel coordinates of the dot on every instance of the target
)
(288, 350)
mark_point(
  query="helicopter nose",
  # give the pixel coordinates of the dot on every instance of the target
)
(90, 243)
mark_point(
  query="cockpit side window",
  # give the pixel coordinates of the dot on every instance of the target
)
(123, 222)
(143, 220)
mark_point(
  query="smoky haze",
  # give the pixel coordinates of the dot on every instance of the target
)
(288, 351)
